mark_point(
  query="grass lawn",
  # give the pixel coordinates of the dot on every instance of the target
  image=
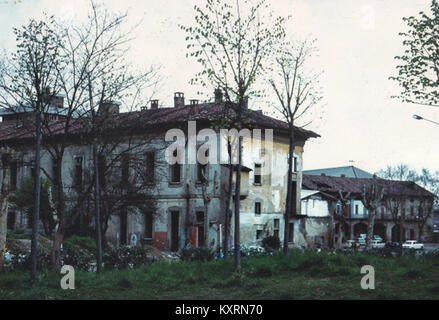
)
(300, 275)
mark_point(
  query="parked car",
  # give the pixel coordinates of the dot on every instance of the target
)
(376, 244)
(361, 242)
(377, 237)
(412, 244)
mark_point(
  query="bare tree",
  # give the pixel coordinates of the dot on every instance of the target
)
(425, 209)
(371, 199)
(297, 91)
(232, 42)
(6, 156)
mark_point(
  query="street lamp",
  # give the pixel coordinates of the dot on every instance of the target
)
(417, 117)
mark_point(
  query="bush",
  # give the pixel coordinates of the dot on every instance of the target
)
(271, 243)
(124, 257)
(197, 254)
(21, 259)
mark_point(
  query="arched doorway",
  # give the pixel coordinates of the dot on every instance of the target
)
(380, 230)
(396, 234)
(360, 228)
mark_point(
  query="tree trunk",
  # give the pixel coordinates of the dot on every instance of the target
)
(60, 208)
(227, 214)
(237, 239)
(370, 224)
(36, 212)
(4, 204)
(288, 204)
(97, 206)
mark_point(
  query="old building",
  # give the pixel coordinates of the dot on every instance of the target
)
(149, 200)
(404, 203)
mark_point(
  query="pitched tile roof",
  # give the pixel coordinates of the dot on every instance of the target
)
(155, 119)
(355, 186)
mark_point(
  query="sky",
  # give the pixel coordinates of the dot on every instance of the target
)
(357, 43)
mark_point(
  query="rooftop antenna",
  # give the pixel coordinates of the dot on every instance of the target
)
(351, 162)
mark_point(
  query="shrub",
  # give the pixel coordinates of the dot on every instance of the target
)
(124, 257)
(197, 254)
(21, 259)
(271, 243)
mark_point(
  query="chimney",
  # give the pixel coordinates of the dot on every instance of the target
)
(154, 104)
(109, 107)
(218, 95)
(53, 100)
(178, 99)
(193, 102)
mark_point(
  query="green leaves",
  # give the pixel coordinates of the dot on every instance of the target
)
(418, 73)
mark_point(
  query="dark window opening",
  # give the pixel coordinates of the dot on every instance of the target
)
(291, 232)
(294, 198)
(276, 228)
(150, 167)
(77, 180)
(11, 220)
(125, 168)
(148, 225)
(295, 164)
(258, 174)
(176, 173)
(200, 224)
(13, 177)
(123, 227)
(101, 170)
(175, 217)
(259, 234)
(33, 172)
(257, 208)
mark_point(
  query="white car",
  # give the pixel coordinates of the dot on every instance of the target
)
(376, 244)
(412, 244)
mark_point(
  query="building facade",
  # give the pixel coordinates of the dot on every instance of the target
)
(145, 198)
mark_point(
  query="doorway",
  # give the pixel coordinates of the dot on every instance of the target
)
(123, 227)
(175, 217)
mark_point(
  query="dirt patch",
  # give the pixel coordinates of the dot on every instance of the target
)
(155, 253)
(25, 244)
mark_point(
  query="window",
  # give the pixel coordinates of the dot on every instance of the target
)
(200, 225)
(77, 175)
(258, 176)
(125, 168)
(13, 177)
(150, 167)
(257, 208)
(412, 211)
(101, 170)
(202, 169)
(33, 172)
(259, 234)
(338, 208)
(294, 164)
(291, 232)
(175, 171)
(356, 209)
(276, 228)
(148, 225)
